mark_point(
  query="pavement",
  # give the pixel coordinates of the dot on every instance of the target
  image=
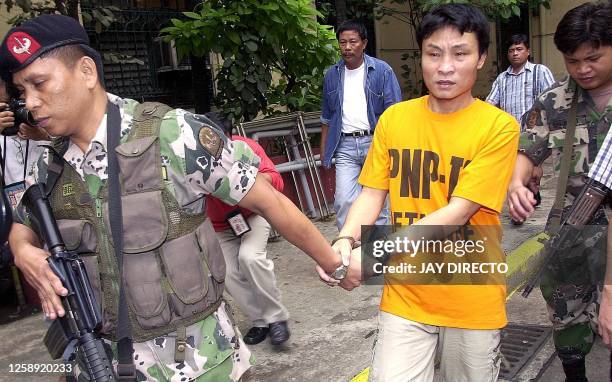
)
(333, 330)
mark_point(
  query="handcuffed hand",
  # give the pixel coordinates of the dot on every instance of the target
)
(520, 202)
(350, 257)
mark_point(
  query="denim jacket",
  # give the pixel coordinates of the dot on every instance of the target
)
(381, 88)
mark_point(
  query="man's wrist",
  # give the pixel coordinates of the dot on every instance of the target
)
(344, 237)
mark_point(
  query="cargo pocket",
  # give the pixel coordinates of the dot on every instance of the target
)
(146, 296)
(188, 275)
(80, 237)
(145, 224)
(138, 164)
(211, 249)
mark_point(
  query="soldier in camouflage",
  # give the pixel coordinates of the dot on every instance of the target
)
(573, 283)
(58, 74)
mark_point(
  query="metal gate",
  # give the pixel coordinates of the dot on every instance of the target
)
(159, 76)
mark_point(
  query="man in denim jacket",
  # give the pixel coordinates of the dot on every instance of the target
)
(356, 91)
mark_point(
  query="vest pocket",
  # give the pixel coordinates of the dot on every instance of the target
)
(80, 237)
(145, 224)
(146, 296)
(138, 164)
(186, 272)
(207, 239)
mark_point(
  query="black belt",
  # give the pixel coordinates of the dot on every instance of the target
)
(360, 133)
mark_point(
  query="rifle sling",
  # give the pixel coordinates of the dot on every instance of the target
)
(126, 370)
(566, 159)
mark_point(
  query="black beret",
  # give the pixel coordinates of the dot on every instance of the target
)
(25, 43)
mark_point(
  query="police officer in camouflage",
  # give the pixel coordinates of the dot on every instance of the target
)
(168, 160)
(573, 283)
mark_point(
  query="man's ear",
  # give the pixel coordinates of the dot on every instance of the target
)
(365, 43)
(481, 60)
(87, 68)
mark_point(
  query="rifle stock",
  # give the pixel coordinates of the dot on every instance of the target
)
(584, 207)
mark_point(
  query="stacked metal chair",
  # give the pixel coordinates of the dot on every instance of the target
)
(295, 130)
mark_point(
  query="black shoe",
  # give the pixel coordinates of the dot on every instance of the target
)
(279, 332)
(575, 371)
(255, 335)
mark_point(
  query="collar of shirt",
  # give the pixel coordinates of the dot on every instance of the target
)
(94, 161)
(340, 65)
(528, 66)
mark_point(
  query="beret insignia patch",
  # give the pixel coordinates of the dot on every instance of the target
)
(22, 45)
(210, 141)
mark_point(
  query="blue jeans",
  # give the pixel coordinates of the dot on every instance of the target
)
(350, 157)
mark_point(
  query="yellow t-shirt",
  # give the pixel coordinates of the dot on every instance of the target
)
(423, 158)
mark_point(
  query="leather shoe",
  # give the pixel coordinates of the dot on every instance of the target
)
(255, 335)
(279, 332)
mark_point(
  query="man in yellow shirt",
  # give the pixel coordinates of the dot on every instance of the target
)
(443, 159)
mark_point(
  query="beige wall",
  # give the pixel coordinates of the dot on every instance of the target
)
(4, 17)
(395, 37)
(542, 32)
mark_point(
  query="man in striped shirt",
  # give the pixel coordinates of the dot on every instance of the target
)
(515, 89)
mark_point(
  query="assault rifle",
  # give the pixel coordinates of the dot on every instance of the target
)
(83, 318)
(588, 201)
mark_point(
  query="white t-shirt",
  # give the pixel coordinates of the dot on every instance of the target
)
(14, 156)
(354, 104)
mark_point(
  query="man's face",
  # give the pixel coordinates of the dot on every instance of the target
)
(518, 54)
(450, 63)
(351, 48)
(590, 67)
(54, 93)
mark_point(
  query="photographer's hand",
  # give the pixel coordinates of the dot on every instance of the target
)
(7, 118)
(34, 133)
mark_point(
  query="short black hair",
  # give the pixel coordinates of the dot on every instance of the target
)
(587, 23)
(352, 25)
(517, 39)
(70, 54)
(464, 17)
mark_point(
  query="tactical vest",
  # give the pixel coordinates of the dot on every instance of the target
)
(173, 266)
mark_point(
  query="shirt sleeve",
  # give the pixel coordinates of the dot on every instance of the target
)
(266, 166)
(326, 113)
(392, 91)
(375, 171)
(534, 139)
(546, 79)
(493, 97)
(215, 165)
(485, 179)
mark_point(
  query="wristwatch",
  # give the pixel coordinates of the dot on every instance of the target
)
(340, 272)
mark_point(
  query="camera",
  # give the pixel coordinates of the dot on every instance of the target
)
(21, 114)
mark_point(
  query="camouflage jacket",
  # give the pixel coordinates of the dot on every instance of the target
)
(193, 166)
(545, 123)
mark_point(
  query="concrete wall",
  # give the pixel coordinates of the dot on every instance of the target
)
(395, 37)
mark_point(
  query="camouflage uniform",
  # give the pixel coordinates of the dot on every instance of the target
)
(572, 284)
(215, 351)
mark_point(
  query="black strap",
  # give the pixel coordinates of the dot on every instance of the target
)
(535, 83)
(125, 369)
